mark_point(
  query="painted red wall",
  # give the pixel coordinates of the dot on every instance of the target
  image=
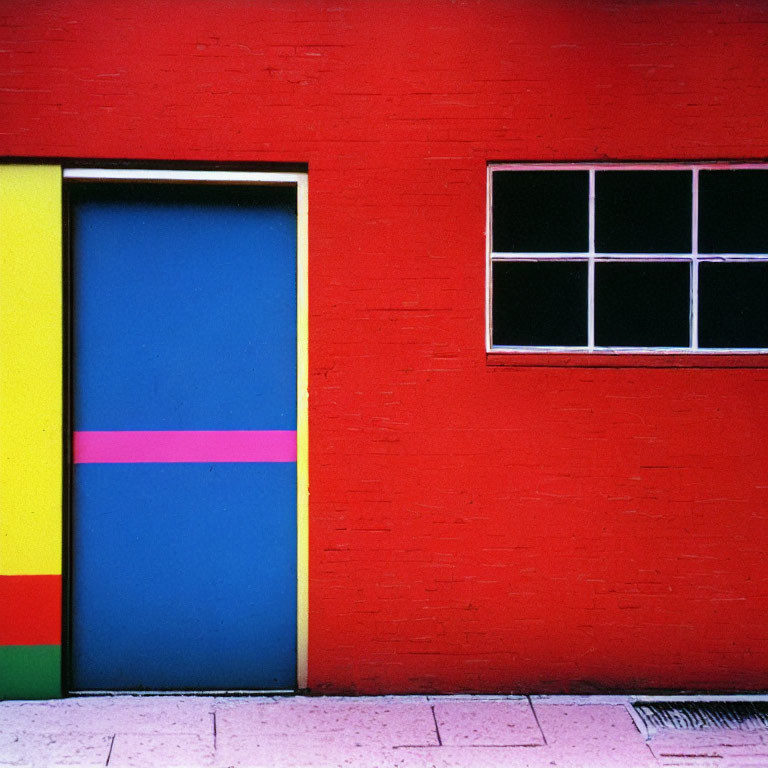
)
(474, 526)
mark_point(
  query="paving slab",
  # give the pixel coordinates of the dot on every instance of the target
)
(705, 740)
(253, 752)
(51, 749)
(150, 750)
(592, 735)
(479, 757)
(377, 721)
(247, 752)
(487, 722)
(110, 714)
(723, 747)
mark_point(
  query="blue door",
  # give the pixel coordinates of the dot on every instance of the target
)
(183, 535)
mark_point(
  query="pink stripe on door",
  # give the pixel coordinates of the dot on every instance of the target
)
(184, 446)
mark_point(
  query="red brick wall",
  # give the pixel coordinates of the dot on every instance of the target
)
(473, 527)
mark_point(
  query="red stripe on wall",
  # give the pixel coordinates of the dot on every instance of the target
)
(30, 610)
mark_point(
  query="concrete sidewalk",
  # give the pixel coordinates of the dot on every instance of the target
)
(373, 732)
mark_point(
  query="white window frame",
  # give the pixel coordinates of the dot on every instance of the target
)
(591, 257)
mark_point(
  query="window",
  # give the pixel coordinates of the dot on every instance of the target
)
(628, 258)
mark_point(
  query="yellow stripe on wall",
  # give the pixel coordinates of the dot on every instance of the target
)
(30, 370)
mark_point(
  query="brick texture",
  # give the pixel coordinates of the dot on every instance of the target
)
(474, 527)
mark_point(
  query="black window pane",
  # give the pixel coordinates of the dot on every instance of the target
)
(642, 304)
(541, 211)
(733, 305)
(643, 211)
(733, 211)
(540, 303)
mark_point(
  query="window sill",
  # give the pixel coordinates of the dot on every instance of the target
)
(508, 359)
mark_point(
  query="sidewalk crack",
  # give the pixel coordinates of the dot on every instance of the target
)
(437, 729)
(111, 744)
(536, 718)
(213, 714)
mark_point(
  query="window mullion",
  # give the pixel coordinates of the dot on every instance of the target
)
(695, 262)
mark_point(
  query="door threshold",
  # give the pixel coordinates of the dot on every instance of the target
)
(235, 692)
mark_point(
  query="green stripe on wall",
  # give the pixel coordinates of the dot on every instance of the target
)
(30, 671)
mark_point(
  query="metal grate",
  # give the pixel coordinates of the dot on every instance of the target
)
(700, 715)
